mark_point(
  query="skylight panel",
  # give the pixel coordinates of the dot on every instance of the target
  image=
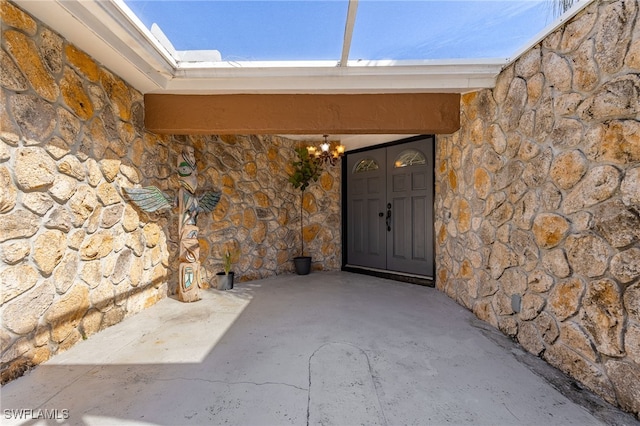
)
(420, 30)
(250, 30)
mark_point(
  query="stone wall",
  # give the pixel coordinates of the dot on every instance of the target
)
(75, 256)
(258, 216)
(538, 202)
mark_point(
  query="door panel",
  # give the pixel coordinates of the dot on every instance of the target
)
(396, 235)
(419, 244)
(410, 171)
(356, 227)
(366, 192)
(374, 233)
(395, 181)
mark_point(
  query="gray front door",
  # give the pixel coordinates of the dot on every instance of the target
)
(390, 208)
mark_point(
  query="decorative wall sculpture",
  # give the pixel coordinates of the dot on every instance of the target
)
(151, 199)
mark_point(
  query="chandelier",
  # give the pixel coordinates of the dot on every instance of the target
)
(325, 153)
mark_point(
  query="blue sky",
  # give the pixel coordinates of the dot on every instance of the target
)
(313, 30)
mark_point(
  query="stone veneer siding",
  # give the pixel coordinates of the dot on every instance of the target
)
(75, 256)
(538, 201)
(258, 216)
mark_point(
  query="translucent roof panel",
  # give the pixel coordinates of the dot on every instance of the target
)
(414, 30)
(250, 30)
(314, 30)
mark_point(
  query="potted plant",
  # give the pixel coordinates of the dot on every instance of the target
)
(305, 170)
(225, 279)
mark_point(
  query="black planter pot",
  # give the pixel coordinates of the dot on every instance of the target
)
(224, 281)
(302, 264)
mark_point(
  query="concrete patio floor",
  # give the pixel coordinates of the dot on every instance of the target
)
(330, 348)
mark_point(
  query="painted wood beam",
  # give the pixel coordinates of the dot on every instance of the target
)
(390, 113)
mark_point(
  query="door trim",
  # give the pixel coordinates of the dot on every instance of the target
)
(398, 276)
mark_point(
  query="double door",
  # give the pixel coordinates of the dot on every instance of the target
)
(390, 208)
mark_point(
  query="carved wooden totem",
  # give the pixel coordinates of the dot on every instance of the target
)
(151, 199)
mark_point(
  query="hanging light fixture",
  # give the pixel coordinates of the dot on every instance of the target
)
(325, 153)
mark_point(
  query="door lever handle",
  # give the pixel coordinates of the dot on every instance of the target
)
(388, 218)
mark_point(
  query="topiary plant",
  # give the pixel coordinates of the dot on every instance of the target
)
(305, 169)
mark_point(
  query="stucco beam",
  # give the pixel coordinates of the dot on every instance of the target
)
(399, 113)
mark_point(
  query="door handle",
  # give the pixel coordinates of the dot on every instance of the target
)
(389, 217)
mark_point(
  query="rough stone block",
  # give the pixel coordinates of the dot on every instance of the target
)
(532, 305)
(529, 338)
(18, 224)
(63, 188)
(569, 361)
(107, 194)
(568, 168)
(585, 74)
(598, 185)
(602, 316)
(82, 62)
(630, 188)
(577, 30)
(514, 103)
(13, 252)
(16, 18)
(65, 273)
(111, 215)
(572, 335)
(82, 204)
(614, 31)
(565, 297)
(547, 327)
(625, 266)
(625, 377)
(550, 229)
(619, 97)
(34, 169)
(555, 262)
(65, 314)
(51, 50)
(9, 193)
(632, 342)
(632, 302)
(23, 314)
(529, 63)
(619, 143)
(539, 281)
(96, 246)
(71, 166)
(15, 280)
(588, 255)
(48, 250)
(557, 71)
(27, 55)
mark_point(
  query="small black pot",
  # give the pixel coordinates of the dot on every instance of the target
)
(302, 264)
(224, 281)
